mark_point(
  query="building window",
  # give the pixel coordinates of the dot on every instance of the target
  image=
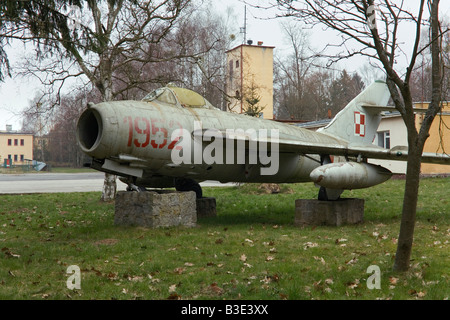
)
(384, 139)
(9, 142)
(15, 158)
(22, 142)
(16, 142)
(237, 64)
(22, 158)
(9, 156)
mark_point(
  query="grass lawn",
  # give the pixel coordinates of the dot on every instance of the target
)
(251, 250)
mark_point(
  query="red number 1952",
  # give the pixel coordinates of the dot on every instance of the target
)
(141, 126)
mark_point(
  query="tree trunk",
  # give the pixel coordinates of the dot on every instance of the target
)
(405, 238)
(105, 87)
(416, 145)
(109, 187)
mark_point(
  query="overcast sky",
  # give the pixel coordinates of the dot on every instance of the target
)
(15, 94)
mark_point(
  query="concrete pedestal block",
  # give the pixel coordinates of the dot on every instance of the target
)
(206, 207)
(153, 210)
(331, 213)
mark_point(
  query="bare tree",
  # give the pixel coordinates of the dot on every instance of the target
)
(293, 70)
(343, 89)
(318, 92)
(62, 145)
(104, 37)
(374, 31)
(299, 93)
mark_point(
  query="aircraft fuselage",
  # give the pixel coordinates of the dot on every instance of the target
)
(142, 136)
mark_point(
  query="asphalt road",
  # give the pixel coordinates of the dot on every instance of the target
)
(60, 182)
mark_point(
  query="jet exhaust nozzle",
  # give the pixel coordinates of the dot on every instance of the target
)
(349, 175)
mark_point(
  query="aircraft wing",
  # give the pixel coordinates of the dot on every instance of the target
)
(399, 153)
(288, 144)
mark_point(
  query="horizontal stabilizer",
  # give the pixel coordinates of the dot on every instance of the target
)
(390, 108)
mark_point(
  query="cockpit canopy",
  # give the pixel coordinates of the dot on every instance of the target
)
(178, 96)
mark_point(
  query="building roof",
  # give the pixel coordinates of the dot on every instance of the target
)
(250, 45)
(313, 124)
(16, 133)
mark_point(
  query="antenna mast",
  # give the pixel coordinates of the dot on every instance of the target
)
(244, 29)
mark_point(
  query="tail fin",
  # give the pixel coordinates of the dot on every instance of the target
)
(358, 124)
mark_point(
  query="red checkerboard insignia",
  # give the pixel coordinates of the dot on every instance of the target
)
(360, 124)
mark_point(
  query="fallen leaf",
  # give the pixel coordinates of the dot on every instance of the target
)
(215, 289)
(393, 280)
(308, 245)
(322, 260)
(243, 258)
(354, 284)
(269, 258)
(172, 288)
(266, 280)
(179, 270)
(112, 276)
(421, 294)
(174, 296)
(9, 253)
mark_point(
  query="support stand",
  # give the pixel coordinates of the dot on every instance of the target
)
(206, 207)
(153, 210)
(331, 213)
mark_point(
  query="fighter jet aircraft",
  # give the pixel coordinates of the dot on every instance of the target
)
(175, 138)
